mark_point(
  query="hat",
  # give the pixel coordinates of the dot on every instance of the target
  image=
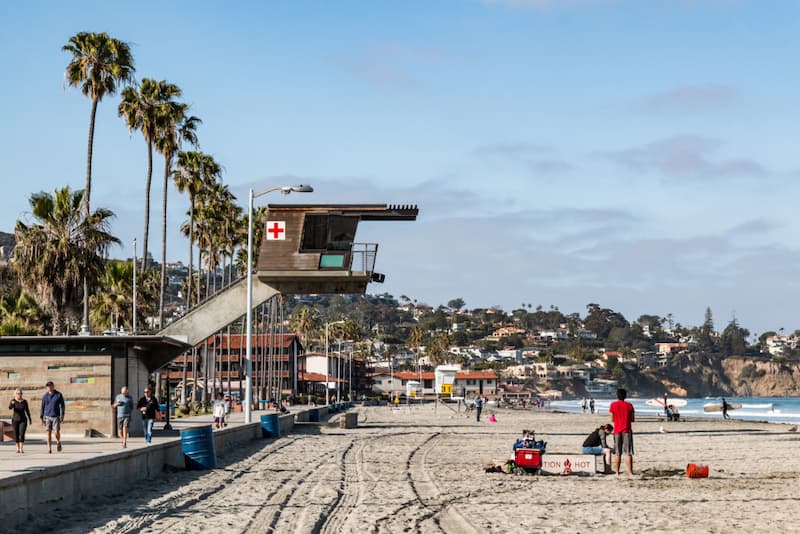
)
(49, 383)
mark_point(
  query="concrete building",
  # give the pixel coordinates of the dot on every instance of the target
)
(88, 371)
(467, 383)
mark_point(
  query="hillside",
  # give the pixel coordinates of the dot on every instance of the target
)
(697, 375)
(7, 240)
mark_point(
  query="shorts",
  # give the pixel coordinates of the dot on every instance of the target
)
(52, 423)
(592, 450)
(623, 444)
(124, 422)
(219, 419)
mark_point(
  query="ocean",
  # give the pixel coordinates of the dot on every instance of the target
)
(770, 409)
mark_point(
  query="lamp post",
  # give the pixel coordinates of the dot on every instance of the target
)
(328, 362)
(248, 383)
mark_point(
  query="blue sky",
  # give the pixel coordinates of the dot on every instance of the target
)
(634, 153)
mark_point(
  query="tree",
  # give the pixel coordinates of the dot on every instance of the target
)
(140, 110)
(194, 172)
(455, 304)
(20, 315)
(304, 321)
(113, 304)
(706, 340)
(733, 340)
(602, 320)
(174, 127)
(99, 65)
(60, 248)
(415, 339)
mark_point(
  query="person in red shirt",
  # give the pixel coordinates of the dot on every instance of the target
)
(622, 416)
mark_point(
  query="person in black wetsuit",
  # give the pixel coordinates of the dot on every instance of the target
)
(725, 409)
(20, 419)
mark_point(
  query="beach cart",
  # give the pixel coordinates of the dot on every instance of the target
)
(528, 460)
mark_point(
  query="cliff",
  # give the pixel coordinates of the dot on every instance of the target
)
(700, 375)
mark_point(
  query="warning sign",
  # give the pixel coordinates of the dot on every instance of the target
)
(447, 389)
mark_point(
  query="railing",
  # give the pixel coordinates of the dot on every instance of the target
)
(363, 257)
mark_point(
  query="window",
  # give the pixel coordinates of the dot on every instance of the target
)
(328, 232)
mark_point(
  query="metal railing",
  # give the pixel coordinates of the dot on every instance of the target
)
(363, 256)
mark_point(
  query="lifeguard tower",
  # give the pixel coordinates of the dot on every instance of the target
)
(306, 249)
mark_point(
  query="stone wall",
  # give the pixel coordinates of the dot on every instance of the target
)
(85, 382)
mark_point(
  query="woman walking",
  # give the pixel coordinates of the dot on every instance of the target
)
(20, 418)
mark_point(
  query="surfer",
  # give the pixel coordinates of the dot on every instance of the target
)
(725, 409)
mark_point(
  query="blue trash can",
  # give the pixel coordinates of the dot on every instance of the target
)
(313, 415)
(270, 426)
(199, 451)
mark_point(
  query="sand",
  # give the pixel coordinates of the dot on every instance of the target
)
(420, 471)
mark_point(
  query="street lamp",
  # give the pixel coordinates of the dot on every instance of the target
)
(328, 362)
(248, 387)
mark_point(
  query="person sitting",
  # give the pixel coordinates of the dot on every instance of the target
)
(672, 413)
(527, 441)
(595, 443)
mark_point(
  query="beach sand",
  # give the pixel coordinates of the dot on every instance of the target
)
(419, 471)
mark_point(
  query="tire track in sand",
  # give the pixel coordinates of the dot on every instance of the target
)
(438, 515)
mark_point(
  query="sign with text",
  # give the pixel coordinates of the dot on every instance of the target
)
(568, 464)
(447, 389)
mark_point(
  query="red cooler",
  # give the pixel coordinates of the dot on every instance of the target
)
(528, 458)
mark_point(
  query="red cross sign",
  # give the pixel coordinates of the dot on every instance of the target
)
(276, 230)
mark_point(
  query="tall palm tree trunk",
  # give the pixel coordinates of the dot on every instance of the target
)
(87, 194)
(191, 249)
(147, 185)
(167, 165)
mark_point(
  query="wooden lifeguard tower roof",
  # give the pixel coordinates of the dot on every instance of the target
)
(311, 248)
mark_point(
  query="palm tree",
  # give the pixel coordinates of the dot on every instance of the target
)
(20, 315)
(304, 321)
(59, 249)
(140, 111)
(415, 339)
(175, 127)
(194, 172)
(113, 304)
(98, 66)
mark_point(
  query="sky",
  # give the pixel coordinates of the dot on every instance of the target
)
(639, 154)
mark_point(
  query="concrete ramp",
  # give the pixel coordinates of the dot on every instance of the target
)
(217, 312)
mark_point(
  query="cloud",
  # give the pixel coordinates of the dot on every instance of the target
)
(684, 156)
(536, 158)
(511, 150)
(391, 65)
(476, 245)
(752, 227)
(692, 99)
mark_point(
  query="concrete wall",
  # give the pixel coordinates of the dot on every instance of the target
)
(23, 495)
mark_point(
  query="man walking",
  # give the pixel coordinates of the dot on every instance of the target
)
(478, 408)
(622, 417)
(52, 415)
(149, 407)
(124, 405)
(725, 409)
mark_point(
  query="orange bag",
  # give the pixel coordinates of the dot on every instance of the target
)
(697, 471)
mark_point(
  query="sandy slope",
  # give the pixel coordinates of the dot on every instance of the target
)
(416, 471)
